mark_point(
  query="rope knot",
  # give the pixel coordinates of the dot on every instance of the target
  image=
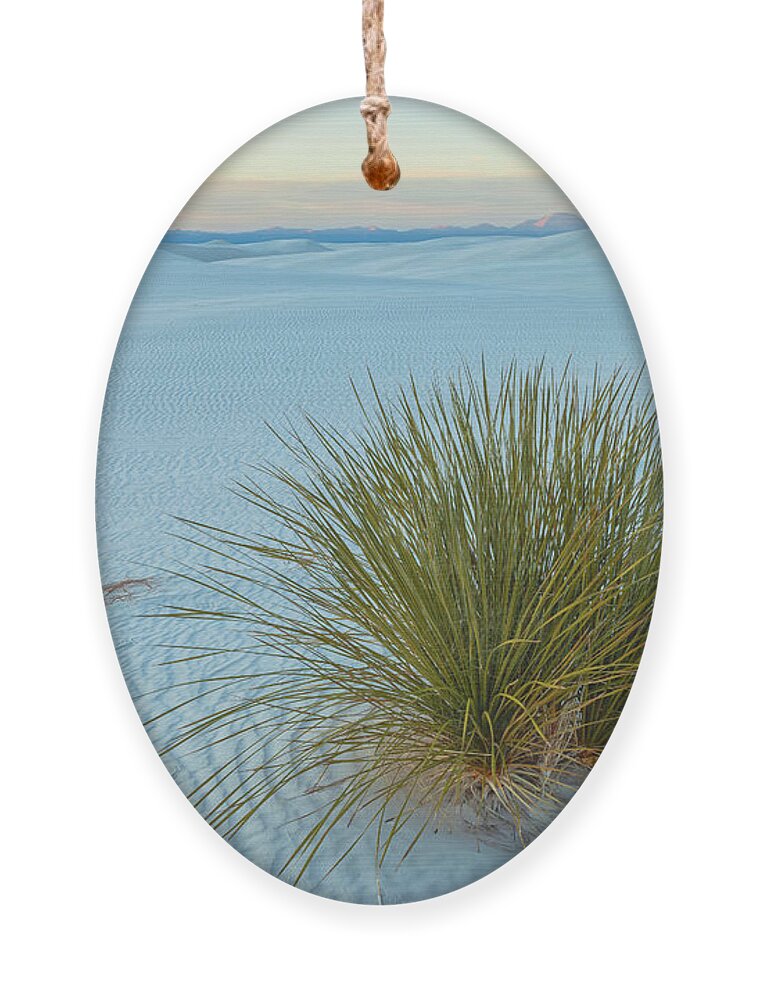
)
(380, 168)
(373, 105)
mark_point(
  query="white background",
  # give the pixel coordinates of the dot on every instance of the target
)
(644, 113)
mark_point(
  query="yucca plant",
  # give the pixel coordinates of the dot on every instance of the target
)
(458, 596)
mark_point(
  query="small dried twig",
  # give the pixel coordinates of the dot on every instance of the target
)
(123, 590)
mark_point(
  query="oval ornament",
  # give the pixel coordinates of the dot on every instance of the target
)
(379, 503)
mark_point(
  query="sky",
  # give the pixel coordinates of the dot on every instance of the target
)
(305, 172)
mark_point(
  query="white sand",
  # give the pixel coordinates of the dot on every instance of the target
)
(214, 348)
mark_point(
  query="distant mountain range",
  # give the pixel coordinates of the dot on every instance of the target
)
(548, 225)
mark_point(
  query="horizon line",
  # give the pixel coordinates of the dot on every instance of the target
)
(389, 229)
(538, 223)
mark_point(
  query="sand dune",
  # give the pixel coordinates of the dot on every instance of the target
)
(217, 250)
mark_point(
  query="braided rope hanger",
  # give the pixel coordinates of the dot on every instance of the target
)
(380, 168)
